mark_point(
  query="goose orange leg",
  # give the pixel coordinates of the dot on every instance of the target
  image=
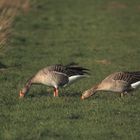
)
(55, 92)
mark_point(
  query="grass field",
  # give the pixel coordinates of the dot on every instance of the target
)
(103, 36)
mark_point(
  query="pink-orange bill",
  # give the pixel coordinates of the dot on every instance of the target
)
(21, 94)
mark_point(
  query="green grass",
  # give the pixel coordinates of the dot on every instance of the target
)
(82, 31)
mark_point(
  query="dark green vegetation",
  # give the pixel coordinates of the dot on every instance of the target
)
(101, 35)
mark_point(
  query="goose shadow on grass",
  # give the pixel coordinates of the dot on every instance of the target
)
(40, 94)
(5, 67)
(50, 94)
(2, 66)
(70, 94)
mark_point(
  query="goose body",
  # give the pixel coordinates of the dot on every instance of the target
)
(121, 82)
(56, 76)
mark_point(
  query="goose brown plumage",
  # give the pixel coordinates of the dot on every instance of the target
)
(121, 82)
(56, 76)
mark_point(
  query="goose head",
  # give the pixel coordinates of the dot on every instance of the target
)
(89, 92)
(23, 92)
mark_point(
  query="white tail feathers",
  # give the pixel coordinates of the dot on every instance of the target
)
(76, 77)
(135, 85)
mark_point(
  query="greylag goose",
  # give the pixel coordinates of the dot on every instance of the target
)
(55, 76)
(121, 82)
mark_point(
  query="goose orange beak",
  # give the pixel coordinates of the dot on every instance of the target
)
(21, 94)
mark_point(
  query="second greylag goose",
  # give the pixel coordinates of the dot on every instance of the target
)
(55, 76)
(121, 82)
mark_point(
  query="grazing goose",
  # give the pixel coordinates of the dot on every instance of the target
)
(121, 82)
(56, 76)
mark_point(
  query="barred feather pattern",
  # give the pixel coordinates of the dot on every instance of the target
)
(69, 70)
(130, 77)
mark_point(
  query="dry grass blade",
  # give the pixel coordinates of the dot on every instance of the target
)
(8, 12)
(103, 61)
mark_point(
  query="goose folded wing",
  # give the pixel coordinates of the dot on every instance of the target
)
(130, 77)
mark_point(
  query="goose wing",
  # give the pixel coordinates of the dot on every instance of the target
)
(63, 75)
(129, 77)
(69, 70)
(55, 75)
